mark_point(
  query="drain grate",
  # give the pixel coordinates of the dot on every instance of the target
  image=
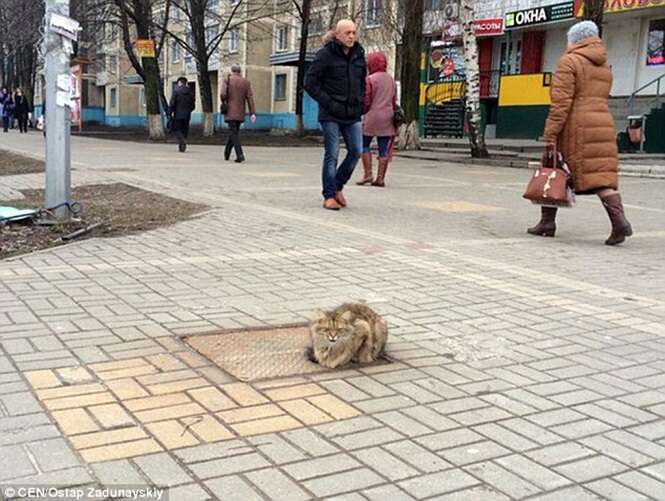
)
(254, 354)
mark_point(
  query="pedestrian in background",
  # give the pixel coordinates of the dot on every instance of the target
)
(181, 107)
(238, 96)
(336, 80)
(581, 126)
(6, 105)
(380, 105)
(21, 110)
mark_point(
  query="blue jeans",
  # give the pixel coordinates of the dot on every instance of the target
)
(384, 145)
(334, 178)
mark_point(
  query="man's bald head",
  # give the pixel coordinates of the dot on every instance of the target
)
(345, 32)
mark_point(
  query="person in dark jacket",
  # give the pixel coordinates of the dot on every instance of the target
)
(6, 108)
(181, 107)
(21, 110)
(237, 93)
(336, 80)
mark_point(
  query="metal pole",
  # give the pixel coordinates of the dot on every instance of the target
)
(58, 116)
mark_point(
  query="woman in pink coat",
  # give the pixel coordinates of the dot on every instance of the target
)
(380, 104)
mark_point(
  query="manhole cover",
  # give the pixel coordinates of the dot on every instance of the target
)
(258, 354)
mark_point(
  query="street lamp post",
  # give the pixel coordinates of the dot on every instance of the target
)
(58, 48)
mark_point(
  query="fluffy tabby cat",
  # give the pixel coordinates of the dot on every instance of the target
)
(349, 333)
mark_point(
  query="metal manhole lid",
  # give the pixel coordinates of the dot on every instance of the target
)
(255, 354)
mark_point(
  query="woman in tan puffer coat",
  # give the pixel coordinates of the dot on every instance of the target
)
(581, 125)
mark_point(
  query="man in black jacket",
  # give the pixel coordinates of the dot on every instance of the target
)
(336, 80)
(181, 107)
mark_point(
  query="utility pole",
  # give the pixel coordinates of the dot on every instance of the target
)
(58, 49)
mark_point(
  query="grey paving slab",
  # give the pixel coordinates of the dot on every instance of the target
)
(527, 376)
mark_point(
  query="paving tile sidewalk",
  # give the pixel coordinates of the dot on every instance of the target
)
(489, 396)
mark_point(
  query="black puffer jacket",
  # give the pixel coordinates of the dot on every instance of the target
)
(337, 82)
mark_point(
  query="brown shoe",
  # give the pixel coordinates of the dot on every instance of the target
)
(367, 168)
(331, 204)
(339, 196)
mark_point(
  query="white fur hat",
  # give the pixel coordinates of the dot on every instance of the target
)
(581, 31)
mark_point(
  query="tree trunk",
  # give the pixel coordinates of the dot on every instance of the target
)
(593, 11)
(476, 129)
(302, 56)
(410, 75)
(205, 86)
(152, 98)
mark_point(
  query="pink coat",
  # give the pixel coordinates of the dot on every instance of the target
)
(380, 98)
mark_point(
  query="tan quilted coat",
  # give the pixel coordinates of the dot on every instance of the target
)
(579, 120)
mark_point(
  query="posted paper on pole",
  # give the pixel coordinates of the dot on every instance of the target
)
(63, 25)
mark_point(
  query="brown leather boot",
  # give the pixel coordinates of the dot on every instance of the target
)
(621, 228)
(380, 180)
(546, 227)
(367, 168)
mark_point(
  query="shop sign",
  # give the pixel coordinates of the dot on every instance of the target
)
(539, 15)
(145, 47)
(488, 27)
(612, 6)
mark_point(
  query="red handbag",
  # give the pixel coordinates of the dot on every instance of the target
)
(551, 183)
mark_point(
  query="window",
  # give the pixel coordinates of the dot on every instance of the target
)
(656, 43)
(189, 40)
(142, 97)
(372, 13)
(433, 4)
(281, 39)
(113, 98)
(316, 24)
(113, 64)
(280, 87)
(175, 52)
(233, 41)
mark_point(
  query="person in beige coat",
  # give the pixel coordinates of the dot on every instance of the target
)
(237, 93)
(581, 126)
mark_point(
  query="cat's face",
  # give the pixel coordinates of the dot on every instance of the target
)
(332, 329)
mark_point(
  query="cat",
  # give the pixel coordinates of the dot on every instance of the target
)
(349, 333)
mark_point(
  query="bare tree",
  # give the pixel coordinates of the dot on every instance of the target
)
(411, 50)
(22, 25)
(593, 11)
(304, 10)
(476, 130)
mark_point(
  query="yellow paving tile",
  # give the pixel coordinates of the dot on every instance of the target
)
(118, 364)
(177, 386)
(268, 425)
(305, 412)
(334, 406)
(126, 389)
(166, 362)
(42, 379)
(70, 391)
(248, 413)
(207, 428)
(172, 434)
(457, 206)
(292, 392)
(120, 451)
(107, 437)
(143, 404)
(75, 374)
(244, 394)
(79, 401)
(212, 399)
(111, 415)
(140, 370)
(73, 421)
(174, 412)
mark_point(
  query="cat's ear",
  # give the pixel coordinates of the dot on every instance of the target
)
(319, 316)
(346, 316)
